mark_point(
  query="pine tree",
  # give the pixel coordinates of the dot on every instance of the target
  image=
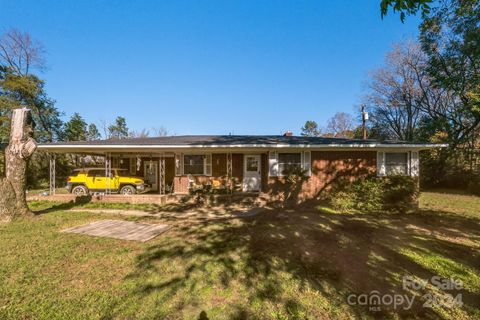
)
(310, 129)
(75, 129)
(92, 132)
(119, 129)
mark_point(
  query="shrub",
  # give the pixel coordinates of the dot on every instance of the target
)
(373, 194)
(343, 201)
(401, 193)
(473, 186)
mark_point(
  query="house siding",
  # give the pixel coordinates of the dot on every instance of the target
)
(237, 165)
(219, 169)
(169, 168)
(180, 184)
(219, 164)
(327, 169)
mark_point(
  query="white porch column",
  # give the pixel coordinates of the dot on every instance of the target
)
(161, 188)
(52, 186)
(108, 173)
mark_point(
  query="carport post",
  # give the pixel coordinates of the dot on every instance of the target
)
(162, 175)
(52, 187)
(108, 172)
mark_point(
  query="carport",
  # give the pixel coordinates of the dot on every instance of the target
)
(135, 163)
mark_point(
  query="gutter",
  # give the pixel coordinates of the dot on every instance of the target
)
(236, 146)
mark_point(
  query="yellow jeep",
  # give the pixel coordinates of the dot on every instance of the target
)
(86, 180)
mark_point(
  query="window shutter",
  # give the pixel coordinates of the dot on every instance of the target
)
(272, 164)
(414, 164)
(381, 170)
(207, 162)
(307, 163)
(178, 164)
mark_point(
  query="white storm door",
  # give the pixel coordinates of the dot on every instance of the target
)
(150, 173)
(251, 173)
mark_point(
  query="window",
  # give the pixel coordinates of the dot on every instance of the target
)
(193, 164)
(133, 166)
(396, 163)
(96, 173)
(252, 164)
(288, 162)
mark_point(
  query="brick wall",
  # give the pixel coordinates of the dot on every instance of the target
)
(219, 169)
(327, 168)
(180, 184)
(219, 164)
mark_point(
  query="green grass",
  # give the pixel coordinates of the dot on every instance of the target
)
(40, 190)
(462, 204)
(291, 264)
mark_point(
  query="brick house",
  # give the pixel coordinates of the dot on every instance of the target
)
(255, 163)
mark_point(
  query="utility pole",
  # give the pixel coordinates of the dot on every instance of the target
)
(364, 121)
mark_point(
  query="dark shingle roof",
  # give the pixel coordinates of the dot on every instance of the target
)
(226, 141)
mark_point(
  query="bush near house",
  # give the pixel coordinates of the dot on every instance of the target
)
(473, 186)
(373, 194)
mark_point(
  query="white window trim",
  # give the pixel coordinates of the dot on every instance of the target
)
(382, 163)
(414, 163)
(178, 164)
(207, 164)
(273, 163)
(307, 165)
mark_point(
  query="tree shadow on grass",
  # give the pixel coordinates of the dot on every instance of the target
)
(279, 257)
(79, 201)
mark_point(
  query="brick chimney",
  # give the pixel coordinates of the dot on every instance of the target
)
(288, 133)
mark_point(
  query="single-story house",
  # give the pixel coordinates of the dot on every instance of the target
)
(258, 163)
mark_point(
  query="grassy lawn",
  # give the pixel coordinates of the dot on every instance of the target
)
(290, 264)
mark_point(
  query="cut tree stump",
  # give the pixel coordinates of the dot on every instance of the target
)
(7, 210)
(17, 154)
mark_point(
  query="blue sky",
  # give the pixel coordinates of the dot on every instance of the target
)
(208, 67)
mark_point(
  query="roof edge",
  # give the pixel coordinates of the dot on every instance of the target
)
(236, 146)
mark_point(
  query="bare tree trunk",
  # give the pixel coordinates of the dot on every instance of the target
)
(21, 147)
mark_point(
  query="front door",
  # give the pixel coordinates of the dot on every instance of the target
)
(251, 173)
(150, 173)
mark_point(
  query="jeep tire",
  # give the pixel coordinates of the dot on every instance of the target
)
(127, 190)
(80, 191)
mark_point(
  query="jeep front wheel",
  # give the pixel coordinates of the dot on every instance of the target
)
(80, 191)
(127, 190)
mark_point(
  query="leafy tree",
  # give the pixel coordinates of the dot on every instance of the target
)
(92, 132)
(310, 129)
(450, 37)
(119, 129)
(75, 128)
(405, 7)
